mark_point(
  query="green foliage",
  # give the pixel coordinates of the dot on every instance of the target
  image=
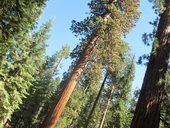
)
(165, 111)
(123, 17)
(81, 102)
(18, 17)
(149, 38)
(107, 55)
(20, 50)
(158, 5)
(155, 45)
(28, 79)
(42, 94)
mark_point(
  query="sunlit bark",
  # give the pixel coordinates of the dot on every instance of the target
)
(147, 113)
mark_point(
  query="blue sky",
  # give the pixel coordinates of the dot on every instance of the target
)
(64, 11)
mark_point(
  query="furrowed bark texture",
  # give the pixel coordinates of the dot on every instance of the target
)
(147, 113)
(70, 84)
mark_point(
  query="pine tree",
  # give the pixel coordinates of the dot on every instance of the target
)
(147, 113)
(121, 97)
(41, 93)
(18, 68)
(90, 105)
(17, 17)
(105, 16)
(96, 100)
(119, 91)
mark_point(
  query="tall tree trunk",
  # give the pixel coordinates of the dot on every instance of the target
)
(95, 102)
(39, 111)
(107, 107)
(57, 66)
(147, 113)
(70, 84)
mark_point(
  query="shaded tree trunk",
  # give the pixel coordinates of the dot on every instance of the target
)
(107, 107)
(39, 111)
(70, 84)
(147, 113)
(95, 102)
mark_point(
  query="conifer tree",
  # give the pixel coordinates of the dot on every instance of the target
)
(147, 113)
(41, 93)
(121, 97)
(83, 102)
(20, 57)
(96, 100)
(105, 16)
(119, 90)
(17, 17)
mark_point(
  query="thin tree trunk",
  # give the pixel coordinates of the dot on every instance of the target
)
(57, 66)
(72, 123)
(147, 113)
(107, 107)
(39, 111)
(95, 102)
(70, 84)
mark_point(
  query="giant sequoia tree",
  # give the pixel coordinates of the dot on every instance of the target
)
(106, 15)
(147, 114)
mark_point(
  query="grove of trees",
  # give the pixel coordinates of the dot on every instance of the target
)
(96, 91)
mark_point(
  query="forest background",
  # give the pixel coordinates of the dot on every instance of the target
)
(32, 77)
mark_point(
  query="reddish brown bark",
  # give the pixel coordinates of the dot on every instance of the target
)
(70, 84)
(147, 113)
